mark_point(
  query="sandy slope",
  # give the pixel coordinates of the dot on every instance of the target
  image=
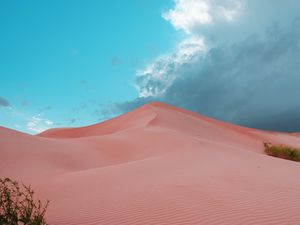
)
(157, 165)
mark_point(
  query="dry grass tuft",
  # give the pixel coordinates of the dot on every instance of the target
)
(282, 151)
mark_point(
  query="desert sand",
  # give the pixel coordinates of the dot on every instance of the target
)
(156, 165)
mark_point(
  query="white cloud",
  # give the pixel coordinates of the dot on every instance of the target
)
(189, 15)
(232, 10)
(162, 71)
(38, 124)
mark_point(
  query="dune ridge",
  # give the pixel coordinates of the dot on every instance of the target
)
(156, 165)
(127, 121)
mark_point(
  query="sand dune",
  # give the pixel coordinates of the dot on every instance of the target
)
(156, 165)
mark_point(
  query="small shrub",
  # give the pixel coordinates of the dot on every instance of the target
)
(17, 205)
(282, 151)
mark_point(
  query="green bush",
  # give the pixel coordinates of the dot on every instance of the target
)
(17, 205)
(282, 151)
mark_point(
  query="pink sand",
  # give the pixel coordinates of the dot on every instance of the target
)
(156, 165)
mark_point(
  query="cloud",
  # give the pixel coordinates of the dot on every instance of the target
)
(38, 124)
(249, 73)
(189, 15)
(157, 76)
(72, 121)
(17, 126)
(244, 82)
(116, 61)
(4, 102)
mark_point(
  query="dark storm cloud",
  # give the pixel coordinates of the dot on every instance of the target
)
(4, 102)
(254, 82)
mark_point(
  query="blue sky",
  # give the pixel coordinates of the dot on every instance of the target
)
(73, 63)
(62, 60)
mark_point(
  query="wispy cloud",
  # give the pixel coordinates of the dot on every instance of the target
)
(4, 102)
(38, 123)
(157, 76)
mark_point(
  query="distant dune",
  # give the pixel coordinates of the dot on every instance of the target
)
(156, 165)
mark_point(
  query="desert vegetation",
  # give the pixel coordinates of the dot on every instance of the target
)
(18, 206)
(282, 151)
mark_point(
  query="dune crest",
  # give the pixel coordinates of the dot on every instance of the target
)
(156, 165)
(138, 118)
